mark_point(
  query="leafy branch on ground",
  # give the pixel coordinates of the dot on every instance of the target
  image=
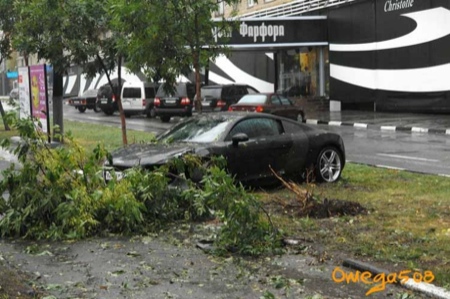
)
(60, 193)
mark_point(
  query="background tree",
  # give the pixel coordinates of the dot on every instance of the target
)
(7, 19)
(169, 38)
(70, 32)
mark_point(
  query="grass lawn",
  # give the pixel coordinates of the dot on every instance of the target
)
(88, 135)
(407, 227)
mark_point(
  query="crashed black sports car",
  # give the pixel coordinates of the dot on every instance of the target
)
(252, 143)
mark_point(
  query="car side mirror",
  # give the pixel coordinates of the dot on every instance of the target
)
(239, 137)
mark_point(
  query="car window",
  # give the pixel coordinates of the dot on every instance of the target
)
(257, 128)
(251, 90)
(285, 101)
(150, 92)
(131, 92)
(275, 100)
(90, 93)
(253, 99)
(179, 91)
(241, 90)
(190, 88)
(211, 92)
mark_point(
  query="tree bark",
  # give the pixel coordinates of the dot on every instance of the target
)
(119, 102)
(117, 95)
(198, 90)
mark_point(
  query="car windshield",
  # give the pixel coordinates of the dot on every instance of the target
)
(211, 92)
(179, 91)
(90, 93)
(253, 99)
(200, 129)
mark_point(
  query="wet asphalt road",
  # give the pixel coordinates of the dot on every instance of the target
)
(419, 152)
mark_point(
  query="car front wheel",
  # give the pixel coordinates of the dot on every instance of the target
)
(82, 109)
(329, 165)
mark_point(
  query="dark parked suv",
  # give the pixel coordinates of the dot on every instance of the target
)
(220, 97)
(178, 102)
(107, 100)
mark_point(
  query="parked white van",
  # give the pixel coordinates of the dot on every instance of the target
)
(138, 97)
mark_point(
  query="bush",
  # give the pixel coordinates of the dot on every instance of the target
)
(59, 193)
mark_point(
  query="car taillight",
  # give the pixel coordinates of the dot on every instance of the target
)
(230, 108)
(157, 102)
(221, 103)
(144, 103)
(259, 109)
(185, 101)
(70, 101)
(113, 98)
(83, 102)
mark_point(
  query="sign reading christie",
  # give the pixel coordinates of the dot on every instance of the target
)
(392, 5)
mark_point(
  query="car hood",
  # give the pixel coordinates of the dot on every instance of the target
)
(153, 154)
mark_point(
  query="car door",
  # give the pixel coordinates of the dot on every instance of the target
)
(267, 147)
(289, 109)
(273, 105)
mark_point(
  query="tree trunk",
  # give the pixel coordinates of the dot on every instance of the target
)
(198, 90)
(117, 94)
(2, 112)
(119, 103)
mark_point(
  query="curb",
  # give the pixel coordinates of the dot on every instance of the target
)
(358, 125)
(426, 288)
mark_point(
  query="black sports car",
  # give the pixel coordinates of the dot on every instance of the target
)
(250, 142)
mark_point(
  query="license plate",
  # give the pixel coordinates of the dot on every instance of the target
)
(104, 101)
(171, 101)
(109, 175)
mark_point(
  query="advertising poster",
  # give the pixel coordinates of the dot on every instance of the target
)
(24, 92)
(39, 99)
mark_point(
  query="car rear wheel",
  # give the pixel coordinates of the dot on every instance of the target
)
(97, 107)
(82, 109)
(165, 119)
(151, 113)
(109, 111)
(329, 165)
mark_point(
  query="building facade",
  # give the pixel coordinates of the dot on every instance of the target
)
(389, 55)
(379, 54)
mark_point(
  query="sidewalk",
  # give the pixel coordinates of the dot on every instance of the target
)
(389, 121)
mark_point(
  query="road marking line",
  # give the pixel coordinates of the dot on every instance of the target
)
(390, 167)
(334, 123)
(419, 130)
(388, 128)
(447, 131)
(407, 157)
(360, 125)
(444, 175)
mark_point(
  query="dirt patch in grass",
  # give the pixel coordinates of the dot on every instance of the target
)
(315, 208)
(13, 284)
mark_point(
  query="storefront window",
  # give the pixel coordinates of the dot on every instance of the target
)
(299, 72)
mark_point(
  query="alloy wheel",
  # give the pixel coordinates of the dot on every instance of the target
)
(330, 165)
